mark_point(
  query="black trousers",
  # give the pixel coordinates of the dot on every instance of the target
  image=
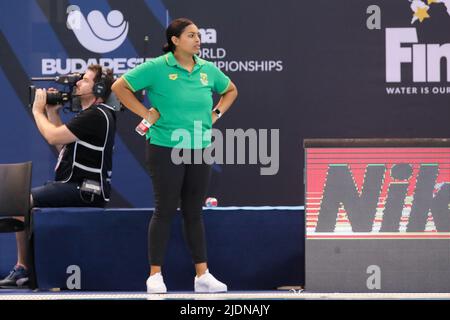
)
(68, 194)
(176, 185)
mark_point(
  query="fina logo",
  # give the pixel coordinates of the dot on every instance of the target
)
(96, 33)
(420, 9)
(403, 47)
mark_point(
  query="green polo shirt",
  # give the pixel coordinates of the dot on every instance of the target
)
(183, 99)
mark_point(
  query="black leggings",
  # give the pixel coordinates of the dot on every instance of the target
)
(176, 185)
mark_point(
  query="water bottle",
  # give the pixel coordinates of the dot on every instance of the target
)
(143, 127)
(211, 202)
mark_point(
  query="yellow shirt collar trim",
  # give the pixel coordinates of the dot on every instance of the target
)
(172, 61)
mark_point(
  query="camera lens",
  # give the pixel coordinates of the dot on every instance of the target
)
(54, 98)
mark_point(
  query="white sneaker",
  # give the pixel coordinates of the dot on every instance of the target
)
(206, 283)
(155, 284)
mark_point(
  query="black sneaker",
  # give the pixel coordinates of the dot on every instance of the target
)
(18, 277)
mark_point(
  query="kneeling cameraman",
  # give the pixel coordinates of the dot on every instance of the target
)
(85, 145)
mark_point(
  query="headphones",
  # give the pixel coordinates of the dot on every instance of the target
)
(100, 88)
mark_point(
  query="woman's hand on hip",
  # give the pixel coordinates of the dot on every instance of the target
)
(152, 115)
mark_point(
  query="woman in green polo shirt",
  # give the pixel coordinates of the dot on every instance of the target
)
(179, 86)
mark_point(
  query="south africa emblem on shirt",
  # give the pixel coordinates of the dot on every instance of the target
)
(173, 76)
(204, 79)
